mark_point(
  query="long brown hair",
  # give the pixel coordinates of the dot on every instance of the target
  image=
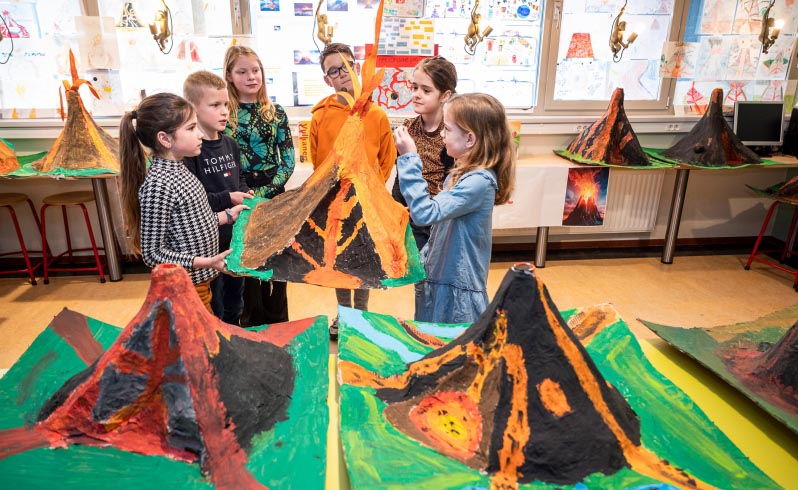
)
(484, 116)
(160, 112)
(441, 71)
(266, 107)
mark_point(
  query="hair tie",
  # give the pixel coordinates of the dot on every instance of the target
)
(133, 114)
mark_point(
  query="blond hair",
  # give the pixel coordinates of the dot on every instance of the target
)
(197, 82)
(266, 106)
(484, 117)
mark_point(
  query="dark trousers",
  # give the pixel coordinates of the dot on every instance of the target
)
(228, 298)
(265, 302)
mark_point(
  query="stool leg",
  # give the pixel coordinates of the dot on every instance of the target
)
(93, 244)
(38, 223)
(790, 234)
(68, 238)
(22, 244)
(761, 233)
(45, 249)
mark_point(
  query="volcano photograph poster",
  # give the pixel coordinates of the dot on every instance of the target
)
(585, 197)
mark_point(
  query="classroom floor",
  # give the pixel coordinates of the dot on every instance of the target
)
(701, 291)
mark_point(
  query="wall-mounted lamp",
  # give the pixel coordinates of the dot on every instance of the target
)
(323, 31)
(473, 37)
(129, 20)
(770, 28)
(617, 43)
(161, 29)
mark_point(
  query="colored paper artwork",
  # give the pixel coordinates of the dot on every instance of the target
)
(8, 158)
(97, 42)
(303, 9)
(581, 80)
(437, 9)
(525, 397)
(743, 57)
(757, 357)
(19, 20)
(585, 197)
(773, 65)
(176, 399)
(770, 90)
(717, 16)
(22, 97)
(678, 60)
(748, 18)
(83, 148)
(403, 8)
(337, 6)
(638, 78)
(580, 46)
(400, 36)
(514, 10)
(269, 5)
(511, 48)
(395, 93)
(713, 57)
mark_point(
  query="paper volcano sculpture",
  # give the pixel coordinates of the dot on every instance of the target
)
(208, 398)
(82, 148)
(711, 142)
(608, 141)
(759, 358)
(783, 191)
(8, 158)
(341, 228)
(517, 401)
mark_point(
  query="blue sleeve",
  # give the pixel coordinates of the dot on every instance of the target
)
(463, 198)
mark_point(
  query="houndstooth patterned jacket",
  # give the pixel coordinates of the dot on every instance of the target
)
(177, 223)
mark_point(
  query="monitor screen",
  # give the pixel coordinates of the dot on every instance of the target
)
(759, 122)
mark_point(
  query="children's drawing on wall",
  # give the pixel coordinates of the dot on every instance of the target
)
(303, 9)
(639, 79)
(769, 90)
(748, 18)
(306, 57)
(527, 10)
(717, 16)
(585, 197)
(511, 48)
(713, 58)
(20, 20)
(269, 5)
(580, 46)
(738, 90)
(337, 5)
(367, 4)
(97, 43)
(403, 8)
(437, 9)
(109, 86)
(653, 32)
(513, 89)
(58, 18)
(637, 7)
(395, 93)
(678, 60)
(23, 98)
(580, 80)
(743, 57)
(773, 64)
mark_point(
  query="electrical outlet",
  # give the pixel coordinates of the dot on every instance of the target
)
(672, 127)
(580, 128)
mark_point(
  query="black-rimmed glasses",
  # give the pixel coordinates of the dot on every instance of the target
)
(335, 71)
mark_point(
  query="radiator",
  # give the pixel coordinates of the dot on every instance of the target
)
(632, 202)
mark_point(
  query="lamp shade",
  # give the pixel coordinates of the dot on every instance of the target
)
(129, 20)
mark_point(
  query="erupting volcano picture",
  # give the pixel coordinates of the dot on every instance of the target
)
(177, 399)
(523, 398)
(759, 358)
(585, 197)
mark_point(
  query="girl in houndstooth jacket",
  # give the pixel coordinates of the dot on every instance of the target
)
(167, 214)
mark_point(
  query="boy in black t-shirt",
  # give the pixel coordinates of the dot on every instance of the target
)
(218, 167)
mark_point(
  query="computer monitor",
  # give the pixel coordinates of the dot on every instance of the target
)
(759, 123)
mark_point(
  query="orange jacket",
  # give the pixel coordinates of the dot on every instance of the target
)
(328, 118)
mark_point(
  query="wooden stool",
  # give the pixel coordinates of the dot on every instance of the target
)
(7, 200)
(64, 199)
(784, 252)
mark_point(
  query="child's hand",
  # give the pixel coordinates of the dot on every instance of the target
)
(404, 143)
(238, 197)
(236, 210)
(217, 262)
